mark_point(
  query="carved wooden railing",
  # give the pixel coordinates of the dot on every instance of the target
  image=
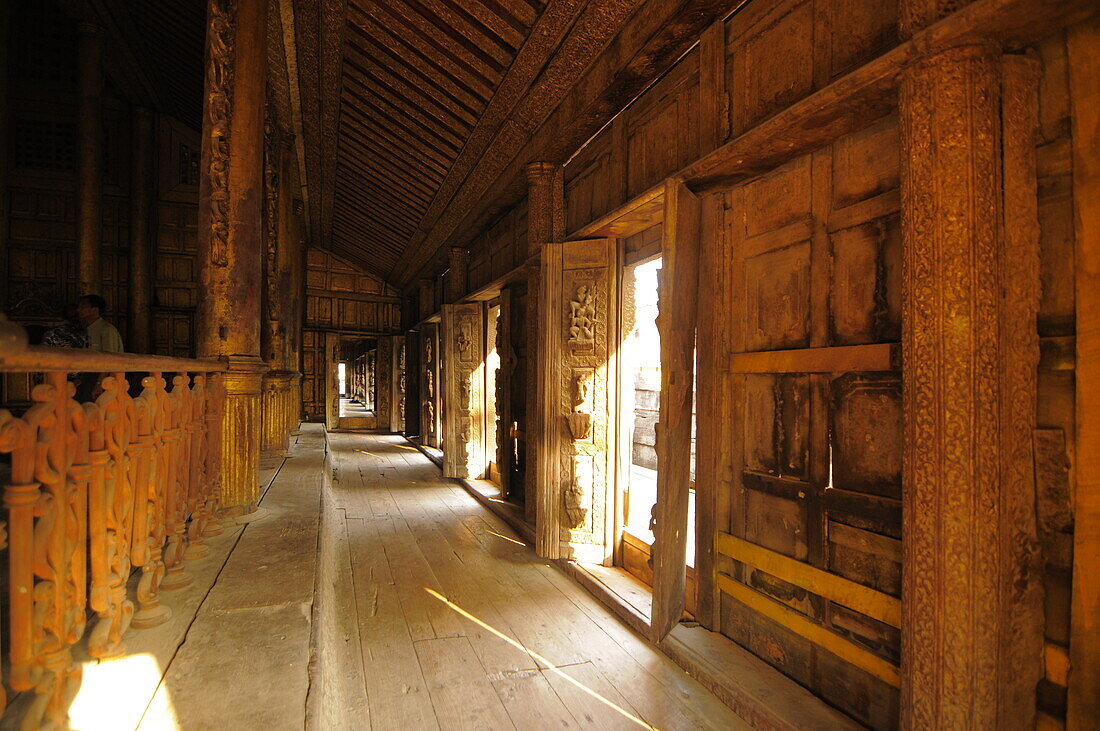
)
(95, 491)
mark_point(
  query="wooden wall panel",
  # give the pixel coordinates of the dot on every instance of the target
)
(815, 250)
(342, 297)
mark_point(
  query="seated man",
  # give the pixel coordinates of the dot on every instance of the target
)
(70, 333)
(102, 335)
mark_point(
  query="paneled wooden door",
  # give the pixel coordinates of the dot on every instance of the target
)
(800, 424)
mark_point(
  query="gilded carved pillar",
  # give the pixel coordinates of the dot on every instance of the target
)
(545, 224)
(231, 232)
(89, 182)
(277, 297)
(142, 199)
(971, 628)
(463, 391)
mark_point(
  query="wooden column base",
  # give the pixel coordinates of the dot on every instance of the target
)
(278, 413)
(241, 426)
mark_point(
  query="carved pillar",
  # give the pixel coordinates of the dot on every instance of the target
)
(411, 426)
(463, 391)
(296, 266)
(505, 412)
(545, 224)
(142, 197)
(424, 298)
(231, 232)
(89, 182)
(456, 280)
(398, 380)
(971, 643)
(277, 299)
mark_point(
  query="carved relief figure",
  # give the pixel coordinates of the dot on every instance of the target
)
(577, 497)
(582, 315)
(580, 419)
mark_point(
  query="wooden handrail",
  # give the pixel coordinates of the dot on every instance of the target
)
(44, 359)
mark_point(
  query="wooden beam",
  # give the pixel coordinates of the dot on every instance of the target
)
(863, 599)
(1084, 642)
(634, 216)
(801, 625)
(679, 284)
(840, 359)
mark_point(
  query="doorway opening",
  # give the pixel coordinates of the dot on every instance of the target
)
(640, 403)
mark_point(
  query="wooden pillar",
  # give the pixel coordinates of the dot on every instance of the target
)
(411, 426)
(277, 295)
(505, 412)
(1083, 702)
(142, 197)
(296, 264)
(424, 298)
(89, 183)
(545, 224)
(456, 280)
(231, 232)
(971, 627)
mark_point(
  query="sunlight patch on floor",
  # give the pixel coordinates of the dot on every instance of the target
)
(115, 694)
(549, 665)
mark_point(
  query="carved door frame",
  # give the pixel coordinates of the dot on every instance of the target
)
(576, 400)
(463, 390)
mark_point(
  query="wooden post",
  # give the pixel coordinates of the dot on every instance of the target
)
(456, 279)
(231, 233)
(679, 291)
(970, 644)
(142, 197)
(424, 298)
(89, 184)
(545, 224)
(1084, 677)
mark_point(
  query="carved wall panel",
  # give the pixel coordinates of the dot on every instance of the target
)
(576, 403)
(463, 390)
(397, 384)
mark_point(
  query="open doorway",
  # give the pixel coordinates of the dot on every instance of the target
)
(357, 378)
(640, 403)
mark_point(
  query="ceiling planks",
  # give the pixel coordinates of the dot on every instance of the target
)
(416, 78)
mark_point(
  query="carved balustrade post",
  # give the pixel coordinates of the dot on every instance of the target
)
(970, 647)
(175, 502)
(215, 412)
(200, 468)
(151, 558)
(110, 514)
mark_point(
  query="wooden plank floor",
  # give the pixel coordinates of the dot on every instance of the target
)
(459, 625)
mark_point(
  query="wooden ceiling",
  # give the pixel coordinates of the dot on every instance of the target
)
(417, 76)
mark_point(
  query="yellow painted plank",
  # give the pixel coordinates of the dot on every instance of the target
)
(863, 599)
(812, 631)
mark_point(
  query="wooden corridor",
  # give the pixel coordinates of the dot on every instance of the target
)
(434, 614)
